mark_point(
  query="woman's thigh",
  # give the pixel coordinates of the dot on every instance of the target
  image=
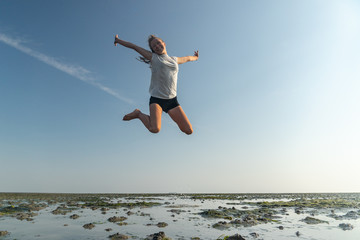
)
(155, 116)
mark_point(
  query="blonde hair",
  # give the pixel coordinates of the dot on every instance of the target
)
(150, 38)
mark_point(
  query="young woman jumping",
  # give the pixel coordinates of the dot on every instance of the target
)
(163, 85)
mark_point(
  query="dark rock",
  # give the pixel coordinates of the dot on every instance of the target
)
(281, 227)
(4, 233)
(89, 226)
(177, 211)
(118, 236)
(254, 235)
(298, 233)
(298, 210)
(117, 219)
(161, 224)
(74, 216)
(129, 213)
(311, 220)
(235, 237)
(246, 220)
(108, 229)
(346, 226)
(158, 236)
(62, 210)
(25, 216)
(222, 225)
(351, 215)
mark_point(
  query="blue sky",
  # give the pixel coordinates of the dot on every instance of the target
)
(273, 99)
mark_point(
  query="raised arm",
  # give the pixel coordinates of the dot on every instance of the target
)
(145, 53)
(181, 60)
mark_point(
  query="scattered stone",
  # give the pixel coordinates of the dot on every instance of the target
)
(74, 216)
(298, 210)
(158, 236)
(177, 211)
(346, 226)
(4, 233)
(116, 219)
(118, 236)
(235, 237)
(142, 214)
(298, 233)
(222, 225)
(161, 224)
(65, 225)
(281, 227)
(247, 220)
(25, 216)
(89, 226)
(129, 213)
(311, 220)
(254, 235)
(351, 215)
(108, 229)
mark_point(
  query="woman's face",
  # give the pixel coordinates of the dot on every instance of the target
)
(158, 46)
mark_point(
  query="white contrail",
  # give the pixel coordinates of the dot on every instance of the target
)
(75, 71)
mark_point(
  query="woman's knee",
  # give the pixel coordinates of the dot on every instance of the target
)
(154, 129)
(187, 130)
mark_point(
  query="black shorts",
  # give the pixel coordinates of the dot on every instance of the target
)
(165, 104)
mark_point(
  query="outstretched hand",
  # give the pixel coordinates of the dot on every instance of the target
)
(196, 53)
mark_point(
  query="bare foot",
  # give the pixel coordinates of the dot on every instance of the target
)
(132, 115)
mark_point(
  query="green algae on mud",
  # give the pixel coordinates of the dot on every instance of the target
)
(311, 220)
(242, 217)
(311, 203)
(141, 204)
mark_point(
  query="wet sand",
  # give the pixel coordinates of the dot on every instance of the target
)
(179, 216)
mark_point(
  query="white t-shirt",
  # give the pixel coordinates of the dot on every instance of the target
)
(164, 76)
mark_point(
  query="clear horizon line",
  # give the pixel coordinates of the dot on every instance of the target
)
(76, 71)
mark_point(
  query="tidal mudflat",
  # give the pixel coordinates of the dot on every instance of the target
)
(180, 216)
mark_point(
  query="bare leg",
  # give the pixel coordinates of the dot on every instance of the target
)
(152, 122)
(178, 115)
